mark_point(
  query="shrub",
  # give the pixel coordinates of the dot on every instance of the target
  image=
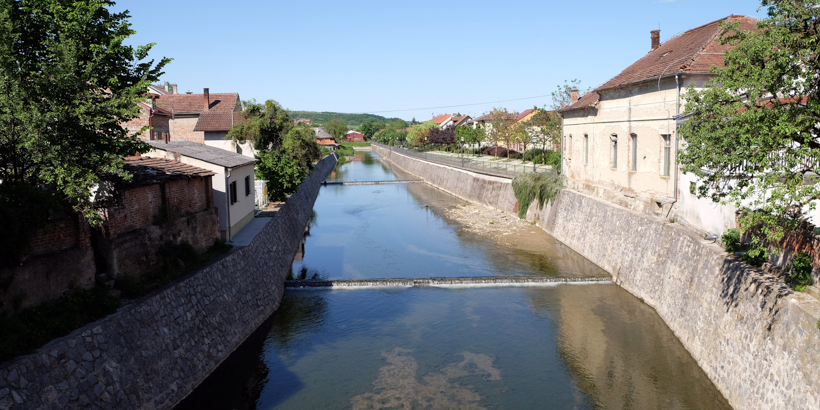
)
(801, 272)
(756, 256)
(731, 240)
(529, 186)
(515, 155)
(546, 157)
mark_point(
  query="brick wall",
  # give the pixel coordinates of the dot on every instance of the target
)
(137, 123)
(182, 128)
(59, 235)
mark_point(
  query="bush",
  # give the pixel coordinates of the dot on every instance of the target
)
(731, 240)
(282, 173)
(515, 155)
(756, 256)
(801, 272)
(498, 151)
(529, 186)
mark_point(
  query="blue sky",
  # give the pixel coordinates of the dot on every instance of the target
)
(407, 57)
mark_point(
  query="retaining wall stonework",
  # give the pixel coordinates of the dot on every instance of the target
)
(756, 340)
(152, 353)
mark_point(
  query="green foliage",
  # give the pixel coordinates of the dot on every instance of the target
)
(530, 186)
(470, 135)
(337, 128)
(545, 128)
(352, 121)
(756, 256)
(747, 146)
(32, 328)
(417, 134)
(563, 94)
(546, 157)
(265, 125)
(300, 145)
(801, 272)
(175, 261)
(68, 84)
(355, 144)
(282, 173)
(731, 240)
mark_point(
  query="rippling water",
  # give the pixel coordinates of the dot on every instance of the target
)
(562, 346)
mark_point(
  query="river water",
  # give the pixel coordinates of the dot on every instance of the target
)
(565, 346)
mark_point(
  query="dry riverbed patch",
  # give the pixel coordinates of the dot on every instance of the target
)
(504, 228)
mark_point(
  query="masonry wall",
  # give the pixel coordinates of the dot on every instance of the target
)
(755, 339)
(154, 352)
(59, 255)
(182, 128)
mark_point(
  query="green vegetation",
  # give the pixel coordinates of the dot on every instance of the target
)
(283, 174)
(731, 240)
(530, 186)
(546, 157)
(265, 126)
(353, 121)
(355, 144)
(752, 136)
(175, 261)
(25, 332)
(801, 272)
(337, 128)
(69, 82)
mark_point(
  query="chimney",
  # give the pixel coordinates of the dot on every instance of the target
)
(174, 89)
(207, 98)
(656, 38)
(574, 95)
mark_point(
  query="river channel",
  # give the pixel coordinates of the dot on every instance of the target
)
(562, 346)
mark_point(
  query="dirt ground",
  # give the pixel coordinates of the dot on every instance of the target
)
(504, 228)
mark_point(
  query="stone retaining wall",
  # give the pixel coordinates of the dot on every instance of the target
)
(152, 353)
(756, 340)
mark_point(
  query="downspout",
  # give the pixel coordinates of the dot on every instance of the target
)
(677, 144)
(228, 204)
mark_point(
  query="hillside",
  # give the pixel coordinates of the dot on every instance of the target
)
(353, 121)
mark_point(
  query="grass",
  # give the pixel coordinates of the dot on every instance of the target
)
(530, 186)
(355, 144)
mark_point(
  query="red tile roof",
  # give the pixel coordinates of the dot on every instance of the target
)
(218, 121)
(326, 141)
(195, 103)
(524, 114)
(691, 52)
(439, 119)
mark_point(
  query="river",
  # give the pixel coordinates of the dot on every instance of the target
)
(579, 346)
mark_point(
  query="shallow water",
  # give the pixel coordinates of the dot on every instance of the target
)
(561, 346)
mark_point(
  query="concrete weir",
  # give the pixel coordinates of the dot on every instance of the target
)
(757, 340)
(400, 181)
(443, 282)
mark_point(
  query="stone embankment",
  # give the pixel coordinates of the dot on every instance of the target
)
(152, 353)
(756, 340)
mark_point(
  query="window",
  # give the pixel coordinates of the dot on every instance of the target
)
(666, 157)
(233, 192)
(633, 166)
(247, 185)
(614, 159)
(586, 149)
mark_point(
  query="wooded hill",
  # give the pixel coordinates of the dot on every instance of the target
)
(353, 121)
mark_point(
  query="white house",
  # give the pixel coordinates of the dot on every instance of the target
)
(233, 185)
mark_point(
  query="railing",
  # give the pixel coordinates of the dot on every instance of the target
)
(495, 168)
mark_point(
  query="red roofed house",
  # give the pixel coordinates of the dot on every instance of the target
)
(324, 139)
(353, 136)
(620, 140)
(204, 118)
(150, 116)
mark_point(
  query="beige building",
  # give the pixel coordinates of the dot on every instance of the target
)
(233, 182)
(620, 140)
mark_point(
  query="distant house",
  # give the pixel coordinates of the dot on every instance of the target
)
(233, 182)
(163, 89)
(353, 136)
(620, 141)
(303, 121)
(324, 139)
(204, 118)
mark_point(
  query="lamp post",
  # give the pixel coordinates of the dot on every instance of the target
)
(462, 152)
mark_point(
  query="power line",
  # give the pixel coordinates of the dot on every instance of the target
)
(460, 105)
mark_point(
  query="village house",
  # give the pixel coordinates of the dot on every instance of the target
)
(620, 140)
(205, 119)
(324, 139)
(233, 180)
(354, 136)
(152, 117)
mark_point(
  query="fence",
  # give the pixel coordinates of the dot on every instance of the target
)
(495, 168)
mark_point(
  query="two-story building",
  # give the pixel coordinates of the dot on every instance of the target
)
(620, 141)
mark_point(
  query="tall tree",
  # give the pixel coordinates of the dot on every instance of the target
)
(337, 128)
(469, 135)
(751, 135)
(545, 128)
(300, 145)
(563, 93)
(520, 135)
(265, 125)
(68, 84)
(501, 127)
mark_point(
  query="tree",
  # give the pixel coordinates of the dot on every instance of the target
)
(442, 136)
(266, 125)
(68, 84)
(520, 135)
(751, 136)
(368, 129)
(282, 173)
(417, 134)
(501, 127)
(545, 128)
(300, 145)
(563, 94)
(337, 128)
(469, 135)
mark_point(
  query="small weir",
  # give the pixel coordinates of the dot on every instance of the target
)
(443, 282)
(400, 181)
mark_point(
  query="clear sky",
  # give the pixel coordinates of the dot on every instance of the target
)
(402, 58)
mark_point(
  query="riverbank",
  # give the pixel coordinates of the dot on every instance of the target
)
(756, 340)
(154, 352)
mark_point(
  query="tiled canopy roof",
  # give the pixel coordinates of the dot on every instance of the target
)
(195, 103)
(692, 52)
(147, 170)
